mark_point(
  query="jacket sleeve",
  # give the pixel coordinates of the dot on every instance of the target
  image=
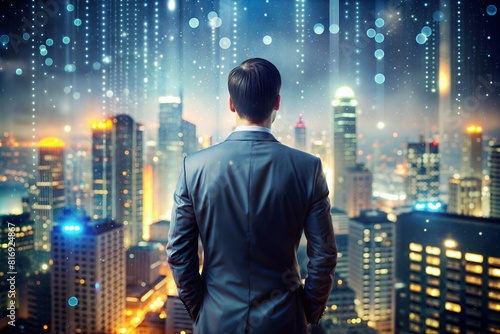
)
(321, 250)
(182, 248)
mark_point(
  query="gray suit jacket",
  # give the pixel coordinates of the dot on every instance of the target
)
(250, 198)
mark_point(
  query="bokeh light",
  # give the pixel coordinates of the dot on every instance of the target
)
(319, 28)
(49, 42)
(334, 28)
(491, 10)
(267, 40)
(379, 54)
(66, 40)
(371, 33)
(4, 39)
(77, 22)
(379, 78)
(438, 16)
(421, 38)
(73, 301)
(70, 8)
(194, 22)
(225, 43)
(379, 38)
(379, 22)
(49, 61)
(427, 31)
(19, 71)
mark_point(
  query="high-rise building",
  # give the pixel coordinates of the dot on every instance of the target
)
(117, 151)
(39, 305)
(127, 172)
(340, 221)
(50, 198)
(422, 172)
(176, 138)
(78, 179)
(344, 143)
(464, 196)
(358, 181)
(143, 263)
(300, 134)
(371, 268)
(448, 274)
(472, 152)
(87, 276)
(495, 181)
(178, 319)
(102, 148)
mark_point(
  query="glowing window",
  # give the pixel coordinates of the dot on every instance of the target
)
(415, 247)
(434, 292)
(453, 307)
(495, 272)
(415, 267)
(453, 254)
(494, 306)
(433, 250)
(415, 287)
(473, 280)
(494, 295)
(494, 261)
(433, 260)
(415, 257)
(434, 271)
(478, 258)
(474, 268)
(494, 284)
(432, 322)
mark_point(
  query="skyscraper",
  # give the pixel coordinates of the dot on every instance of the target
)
(371, 267)
(464, 196)
(495, 181)
(448, 274)
(300, 135)
(344, 142)
(50, 199)
(472, 152)
(117, 151)
(358, 181)
(422, 171)
(87, 276)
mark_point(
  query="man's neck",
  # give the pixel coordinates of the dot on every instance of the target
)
(245, 122)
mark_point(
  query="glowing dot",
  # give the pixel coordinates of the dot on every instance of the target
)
(76, 96)
(212, 16)
(225, 43)
(49, 61)
(438, 16)
(194, 23)
(379, 38)
(45, 266)
(77, 22)
(73, 301)
(19, 71)
(379, 78)
(96, 65)
(334, 28)
(4, 39)
(379, 22)
(491, 10)
(216, 22)
(49, 41)
(70, 68)
(319, 28)
(421, 38)
(66, 40)
(70, 8)
(106, 60)
(371, 33)
(67, 128)
(26, 36)
(109, 93)
(171, 5)
(380, 125)
(67, 90)
(427, 31)
(267, 40)
(43, 52)
(379, 53)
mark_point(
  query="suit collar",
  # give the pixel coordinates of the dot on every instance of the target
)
(251, 135)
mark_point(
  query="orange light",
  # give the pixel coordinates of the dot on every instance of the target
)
(474, 129)
(51, 142)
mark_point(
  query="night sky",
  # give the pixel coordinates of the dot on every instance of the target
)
(269, 30)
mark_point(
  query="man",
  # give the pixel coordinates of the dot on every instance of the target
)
(250, 198)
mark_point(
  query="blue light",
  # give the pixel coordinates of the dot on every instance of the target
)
(97, 285)
(428, 206)
(420, 206)
(26, 36)
(77, 22)
(434, 206)
(70, 8)
(19, 71)
(379, 78)
(72, 228)
(49, 61)
(421, 38)
(427, 31)
(4, 39)
(49, 41)
(73, 301)
(379, 22)
(379, 38)
(371, 33)
(66, 40)
(318, 28)
(438, 16)
(491, 10)
(379, 53)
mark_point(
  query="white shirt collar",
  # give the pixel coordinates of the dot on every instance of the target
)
(252, 128)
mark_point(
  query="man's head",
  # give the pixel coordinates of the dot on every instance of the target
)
(254, 88)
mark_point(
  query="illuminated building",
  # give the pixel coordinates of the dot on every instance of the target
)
(117, 165)
(358, 186)
(102, 147)
(300, 135)
(127, 176)
(50, 186)
(39, 305)
(448, 274)
(78, 178)
(340, 222)
(176, 138)
(87, 276)
(371, 268)
(494, 164)
(464, 196)
(344, 142)
(159, 231)
(472, 152)
(422, 172)
(178, 319)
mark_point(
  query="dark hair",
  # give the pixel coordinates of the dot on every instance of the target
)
(254, 87)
